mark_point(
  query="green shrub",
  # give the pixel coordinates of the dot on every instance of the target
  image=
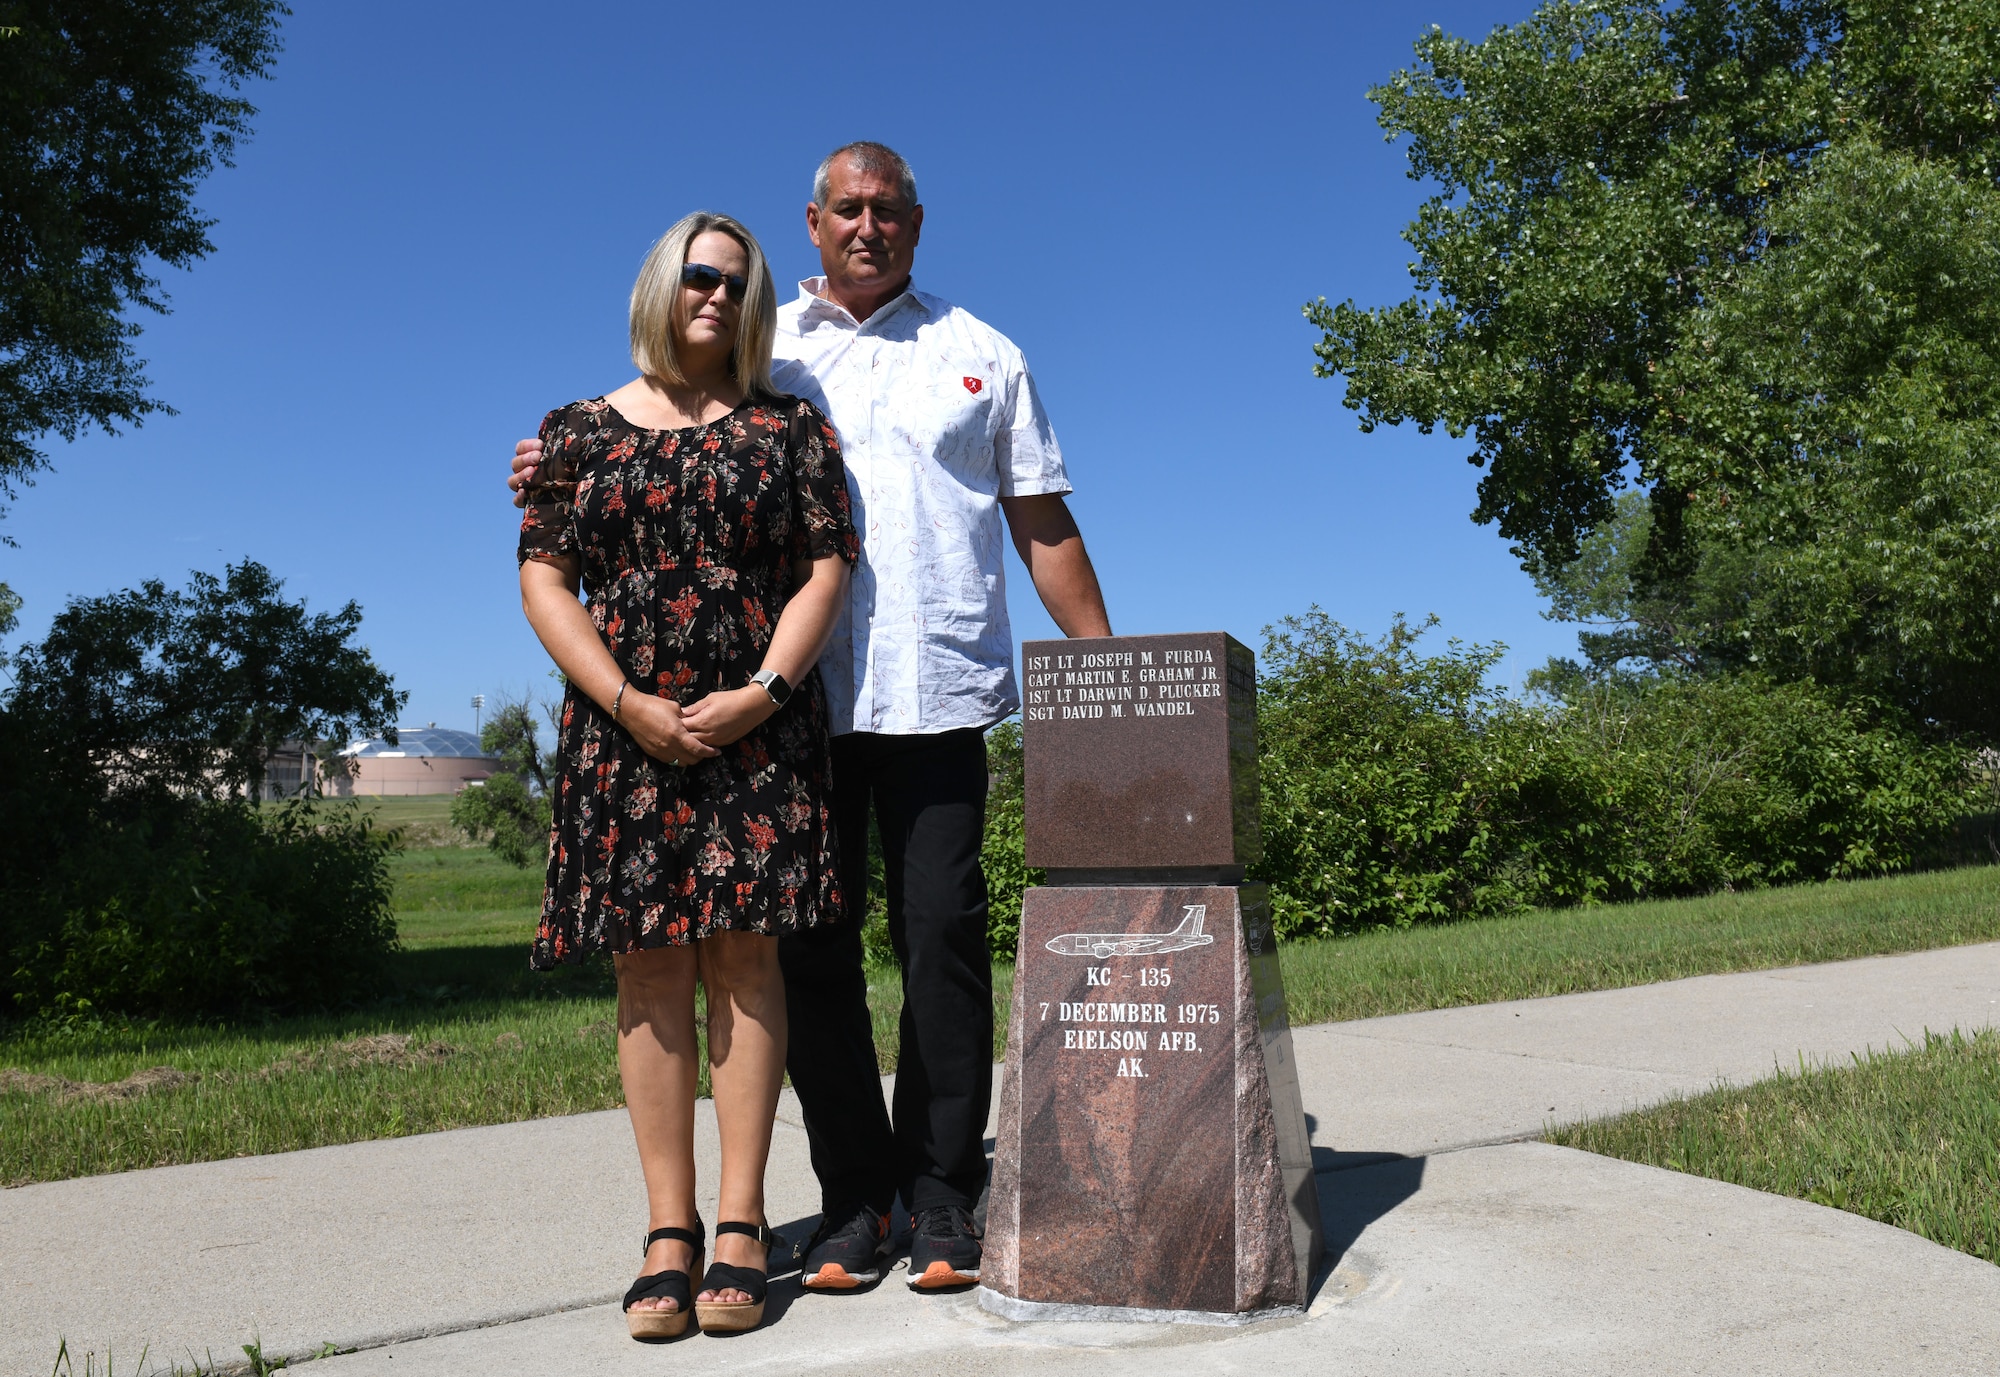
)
(1704, 784)
(1007, 874)
(876, 948)
(1399, 788)
(1388, 779)
(512, 818)
(511, 809)
(179, 909)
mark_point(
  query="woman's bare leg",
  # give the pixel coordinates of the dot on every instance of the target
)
(746, 1059)
(658, 1067)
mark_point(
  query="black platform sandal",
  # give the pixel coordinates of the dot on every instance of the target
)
(673, 1286)
(728, 1317)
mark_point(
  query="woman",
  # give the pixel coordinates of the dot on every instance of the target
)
(706, 517)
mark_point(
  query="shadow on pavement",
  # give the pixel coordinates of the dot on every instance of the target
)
(1356, 1189)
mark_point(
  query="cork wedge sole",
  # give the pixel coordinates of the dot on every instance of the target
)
(732, 1317)
(656, 1324)
(724, 1317)
(670, 1285)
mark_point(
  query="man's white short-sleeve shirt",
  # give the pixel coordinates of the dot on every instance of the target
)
(938, 420)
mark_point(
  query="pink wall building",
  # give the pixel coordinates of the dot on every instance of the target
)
(424, 760)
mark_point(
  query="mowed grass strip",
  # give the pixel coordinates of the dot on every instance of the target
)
(1566, 951)
(298, 1086)
(472, 1037)
(517, 1045)
(1911, 1138)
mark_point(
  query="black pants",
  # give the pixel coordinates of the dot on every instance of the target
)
(929, 797)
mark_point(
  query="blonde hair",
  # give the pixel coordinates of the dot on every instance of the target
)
(656, 298)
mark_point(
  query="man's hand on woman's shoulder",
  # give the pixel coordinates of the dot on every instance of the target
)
(527, 458)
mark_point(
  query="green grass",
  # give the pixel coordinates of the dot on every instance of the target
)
(303, 1084)
(470, 1037)
(424, 820)
(1911, 1138)
(455, 896)
(487, 1041)
(481, 1040)
(1563, 951)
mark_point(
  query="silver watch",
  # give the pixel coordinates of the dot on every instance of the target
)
(774, 684)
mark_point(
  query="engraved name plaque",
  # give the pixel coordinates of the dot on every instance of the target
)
(1141, 751)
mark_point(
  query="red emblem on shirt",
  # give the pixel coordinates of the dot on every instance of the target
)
(973, 385)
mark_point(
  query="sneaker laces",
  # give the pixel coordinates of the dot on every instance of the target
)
(860, 1221)
(944, 1222)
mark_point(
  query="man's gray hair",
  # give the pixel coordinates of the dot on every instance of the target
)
(869, 156)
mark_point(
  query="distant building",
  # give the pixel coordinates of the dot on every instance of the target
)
(287, 769)
(424, 760)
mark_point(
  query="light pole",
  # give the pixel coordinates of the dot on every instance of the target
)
(478, 707)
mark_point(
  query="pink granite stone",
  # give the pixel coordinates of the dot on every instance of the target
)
(1141, 751)
(1152, 1151)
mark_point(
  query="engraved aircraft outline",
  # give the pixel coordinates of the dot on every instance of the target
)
(1103, 944)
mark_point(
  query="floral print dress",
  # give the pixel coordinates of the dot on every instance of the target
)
(687, 540)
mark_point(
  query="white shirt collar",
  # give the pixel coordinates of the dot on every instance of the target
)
(812, 304)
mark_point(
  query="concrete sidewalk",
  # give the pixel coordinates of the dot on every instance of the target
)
(1461, 1248)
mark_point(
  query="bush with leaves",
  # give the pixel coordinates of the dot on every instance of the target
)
(511, 809)
(1693, 785)
(1399, 788)
(1388, 779)
(134, 877)
(1008, 876)
(178, 908)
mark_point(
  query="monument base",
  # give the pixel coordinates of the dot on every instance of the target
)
(1008, 1308)
(1152, 1157)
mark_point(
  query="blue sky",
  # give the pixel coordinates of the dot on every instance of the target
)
(430, 240)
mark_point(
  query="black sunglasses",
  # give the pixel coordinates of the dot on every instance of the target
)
(703, 278)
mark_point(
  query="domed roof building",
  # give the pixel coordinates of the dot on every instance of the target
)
(424, 760)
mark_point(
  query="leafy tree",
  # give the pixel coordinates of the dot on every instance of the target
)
(511, 809)
(10, 609)
(1835, 431)
(111, 114)
(136, 877)
(1649, 215)
(1594, 165)
(191, 691)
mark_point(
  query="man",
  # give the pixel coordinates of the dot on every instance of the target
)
(943, 436)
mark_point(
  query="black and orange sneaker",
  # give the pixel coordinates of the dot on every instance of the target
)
(846, 1250)
(944, 1249)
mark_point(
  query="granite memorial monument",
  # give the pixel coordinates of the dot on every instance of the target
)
(1152, 1159)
